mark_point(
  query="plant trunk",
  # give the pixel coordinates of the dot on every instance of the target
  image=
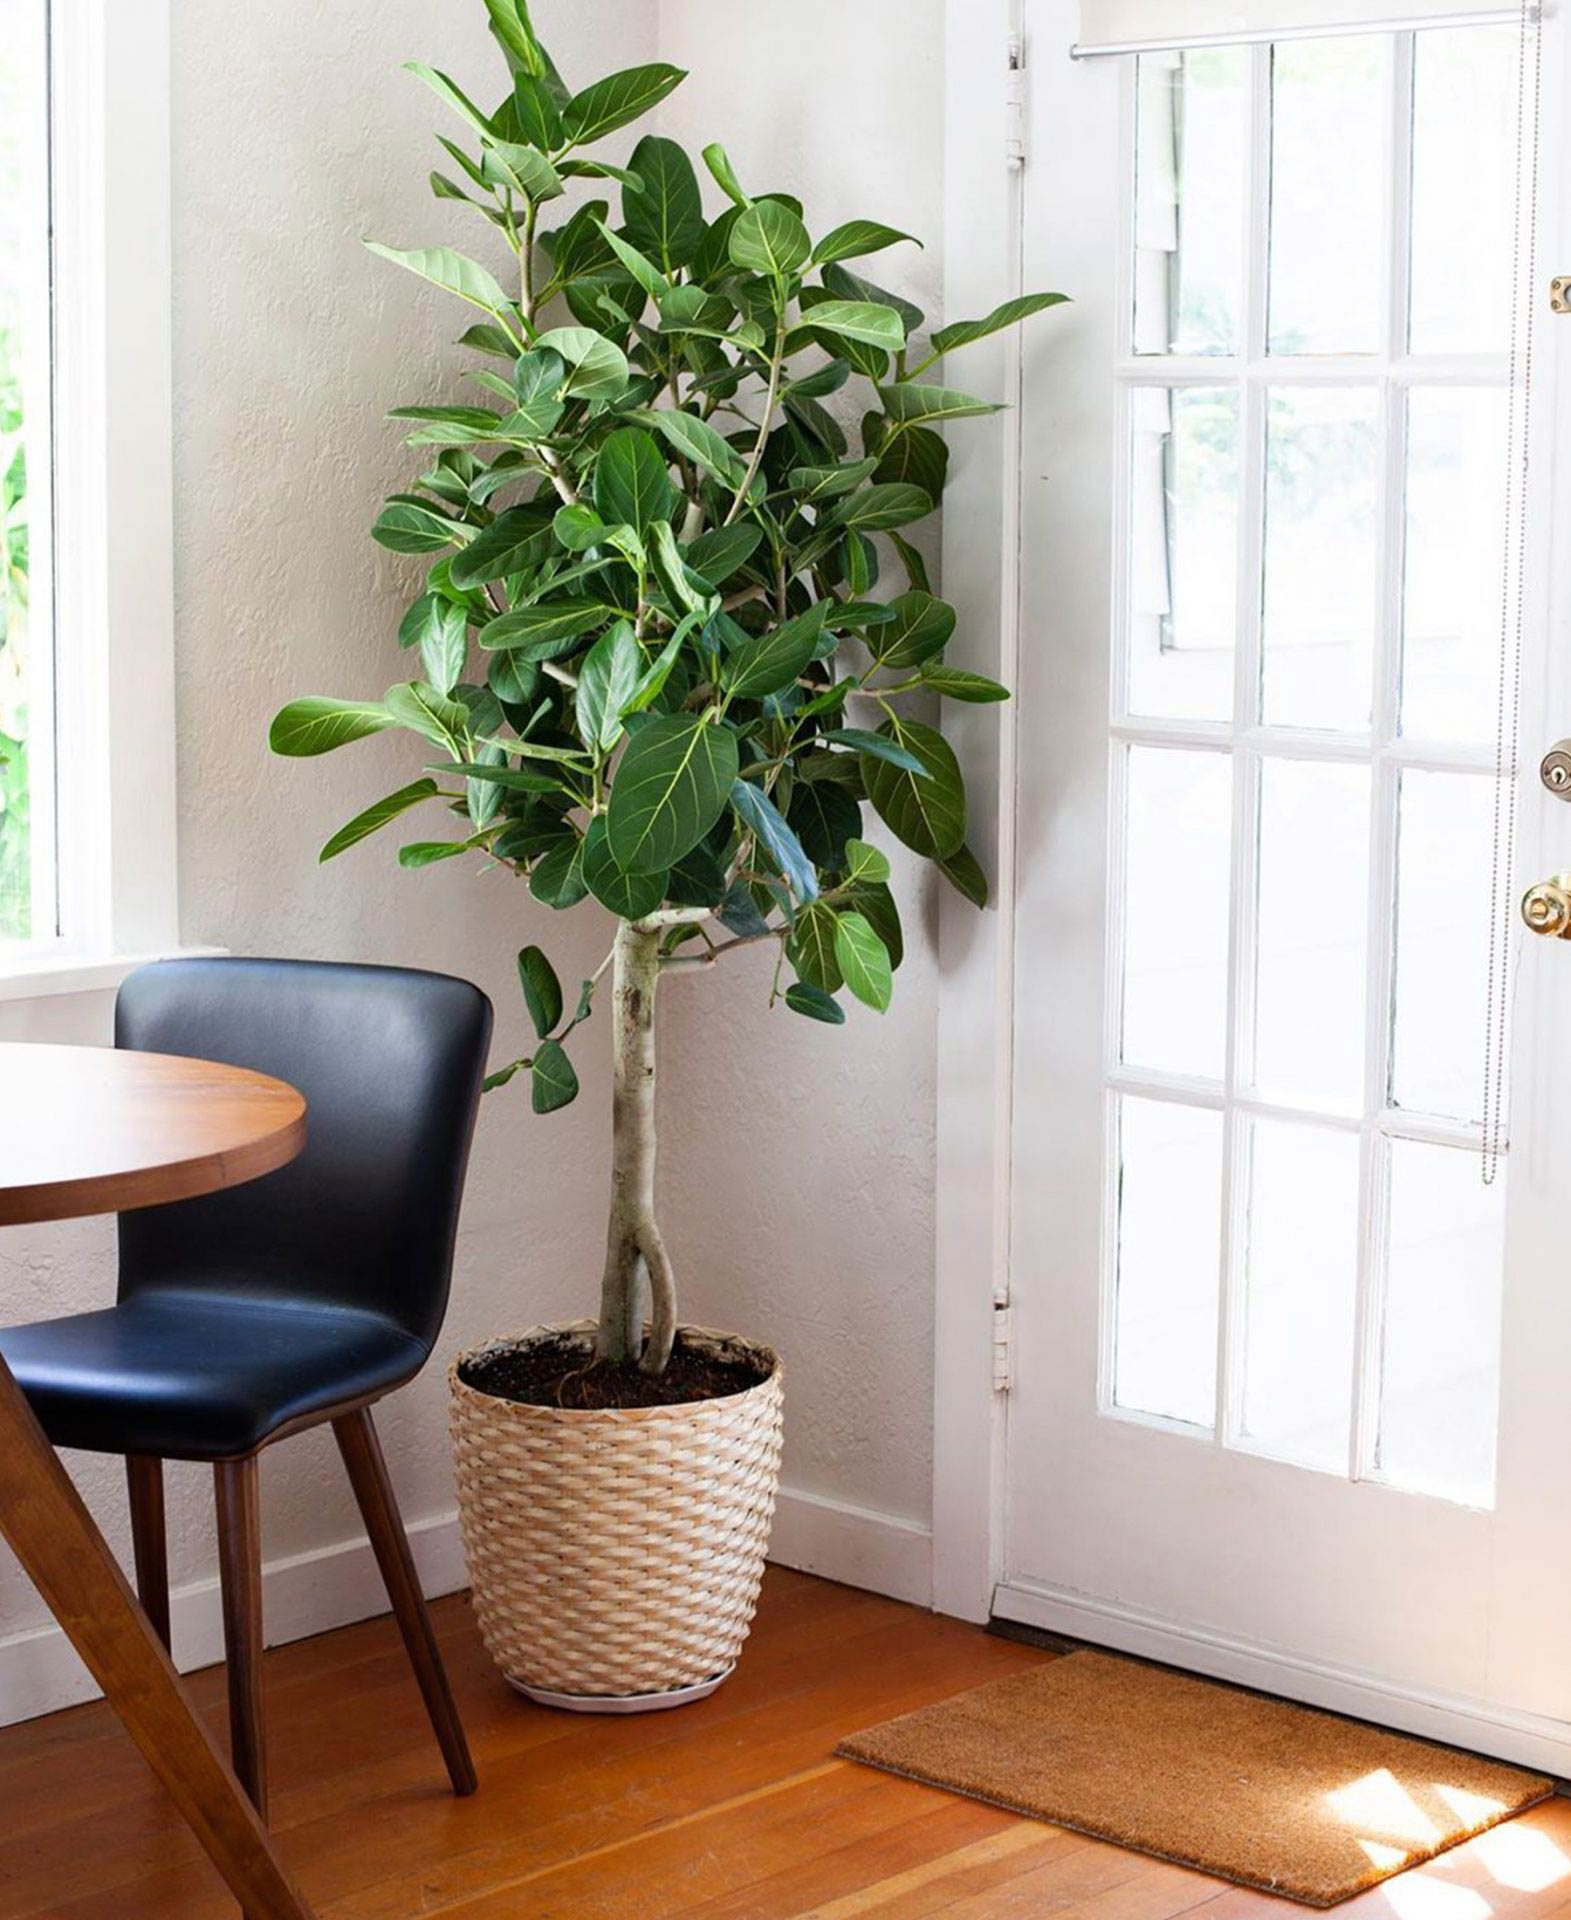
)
(635, 1251)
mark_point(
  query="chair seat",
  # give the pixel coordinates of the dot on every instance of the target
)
(201, 1376)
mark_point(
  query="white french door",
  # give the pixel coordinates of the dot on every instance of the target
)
(1292, 1396)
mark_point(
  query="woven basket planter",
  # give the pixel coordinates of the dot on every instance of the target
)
(613, 1552)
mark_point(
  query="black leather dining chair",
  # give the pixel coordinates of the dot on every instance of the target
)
(303, 1297)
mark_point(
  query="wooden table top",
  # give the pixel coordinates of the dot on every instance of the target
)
(88, 1130)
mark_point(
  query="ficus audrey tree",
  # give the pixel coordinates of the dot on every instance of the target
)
(660, 660)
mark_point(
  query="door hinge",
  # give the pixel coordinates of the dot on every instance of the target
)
(1015, 104)
(1003, 1347)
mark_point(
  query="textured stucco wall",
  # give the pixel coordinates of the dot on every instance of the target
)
(797, 1170)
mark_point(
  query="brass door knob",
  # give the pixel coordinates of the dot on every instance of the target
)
(1547, 907)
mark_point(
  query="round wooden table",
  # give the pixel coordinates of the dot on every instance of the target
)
(87, 1130)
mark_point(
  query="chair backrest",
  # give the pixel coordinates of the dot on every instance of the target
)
(390, 1062)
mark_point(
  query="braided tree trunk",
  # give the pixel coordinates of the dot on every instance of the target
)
(635, 1252)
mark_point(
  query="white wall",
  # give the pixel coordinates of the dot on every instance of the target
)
(798, 1161)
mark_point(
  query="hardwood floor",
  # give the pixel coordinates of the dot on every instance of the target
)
(731, 1810)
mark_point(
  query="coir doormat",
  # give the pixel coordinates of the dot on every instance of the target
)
(1270, 1795)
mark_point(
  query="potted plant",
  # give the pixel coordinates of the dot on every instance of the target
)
(660, 669)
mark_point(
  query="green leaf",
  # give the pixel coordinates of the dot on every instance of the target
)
(500, 1078)
(642, 269)
(719, 164)
(697, 441)
(857, 238)
(864, 862)
(665, 214)
(825, 817)
(878, 508)
(444, 646)
(760, 815)
(921, 628)
(523, 170)
(556, 879)
(876, 744)
(910, 404)
(552, 1081)
(659, 671)
(772, 661)
(846, 285)
(632, 482)
(378, 815)
(856, 320)
(511, 24)
(826, 483)
(811, 948)
(542, 989)
(961, 333)
(451, 94)
(449, 426)
(926, 811)
(596, 367)
(318, 724)
(769, 238)
(425, 711)
(578, 527)
(485, 338)
(814, 1003)
(876, 904)
(539, 117)
(404, 527)
(956, 684)
(670, 788)
(716, 555)
(538, 632)
(619, 98)
(607, 681)
(426, 853)
(965, 875)
(864, 960)
(917, 455)
(454, 272)
(514, 541)
(687, 592)
(629, 895)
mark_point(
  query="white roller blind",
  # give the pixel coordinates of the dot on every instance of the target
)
(1118, 26)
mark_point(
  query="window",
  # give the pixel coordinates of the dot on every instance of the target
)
(86, 685)
(1315, 392)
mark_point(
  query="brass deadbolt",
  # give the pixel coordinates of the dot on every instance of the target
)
(1554, 770)
(1547, 907)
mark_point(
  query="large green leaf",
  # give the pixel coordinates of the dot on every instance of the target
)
(511, 23)
(521, 169)
(911, 403)
(857, 238)
(717, 554)
(452, 95)
(769, 238)
(424, 710)
(861, 741)
(514, 540)
(926, 811)
(317, 724)
(632, 482)
(639, 266)
(865, 862)
(404, 526)
(670, 788)
(629, 895)
(825, 818)
(542, 989)
(552, 1081)
(814, 1003)
(921, 627)
(610, 103)
(772, 661)
(536, 632)
(539, 117)
(455, 272)
(857, 320)
(450, 426)
(864, 960)
(956, 684)
(607, 681)
(785, 852)
(878, 508)
(596, 367)
(960, 333)
(697, 441)
(556, 877)
(665, 214)
(378, 815)
(811, 947)
(964, 873)
(444, 646)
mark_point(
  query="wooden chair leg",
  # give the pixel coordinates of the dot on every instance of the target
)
(145, 1484)
(240, 1571)
(362, 1451)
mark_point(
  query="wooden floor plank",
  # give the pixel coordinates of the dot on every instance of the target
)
(732, 1810)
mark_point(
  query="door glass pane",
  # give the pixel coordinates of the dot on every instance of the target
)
(1191, 177)
(1310, 952)
(1169, 1209)
(1299, 1289)
(1328, 194)
(1445, 850)
(1183, 551)
(26, 881)
(1322, 511)
(1456, 488)
(1464, 189)
(1176, 908)
(1440, 1369)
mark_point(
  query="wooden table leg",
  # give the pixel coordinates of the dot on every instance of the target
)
(60, 1548)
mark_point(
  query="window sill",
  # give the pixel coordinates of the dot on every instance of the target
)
(44, 975)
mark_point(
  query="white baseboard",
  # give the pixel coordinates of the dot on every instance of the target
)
(854, 1545)
(1528, 1739)
(331, 1586)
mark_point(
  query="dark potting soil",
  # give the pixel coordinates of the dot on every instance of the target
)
(560, 1370)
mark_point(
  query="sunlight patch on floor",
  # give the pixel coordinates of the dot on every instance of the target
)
(1379, 1804)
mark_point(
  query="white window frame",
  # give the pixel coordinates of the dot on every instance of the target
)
(113, 577)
